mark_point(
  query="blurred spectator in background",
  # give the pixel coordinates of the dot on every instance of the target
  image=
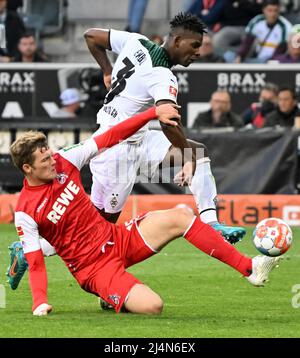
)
(208, 11)
(157, 39)
(14, 28)
(268, 33)
(14, 5)
(207, 54)
(220, 114)
(27, 50)
(93, 90)
(70, 100)
(293, 52)
(256, 113)
(236, 15)
(135, 17)
(286, 111)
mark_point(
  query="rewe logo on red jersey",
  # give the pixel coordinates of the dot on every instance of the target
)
(62, 202)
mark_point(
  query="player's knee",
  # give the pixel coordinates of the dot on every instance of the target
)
(142, 299)
(182, 217)
(184, 213)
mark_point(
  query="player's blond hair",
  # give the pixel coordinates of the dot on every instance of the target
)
(22, 149)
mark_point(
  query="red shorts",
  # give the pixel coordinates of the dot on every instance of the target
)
(107, 277)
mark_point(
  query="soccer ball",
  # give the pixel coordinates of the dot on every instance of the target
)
(272, 237)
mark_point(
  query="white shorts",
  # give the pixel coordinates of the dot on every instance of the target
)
(116, 170)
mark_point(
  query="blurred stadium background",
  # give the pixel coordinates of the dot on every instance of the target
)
(257, 170)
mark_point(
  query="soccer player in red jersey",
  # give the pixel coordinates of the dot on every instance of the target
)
(53, 204)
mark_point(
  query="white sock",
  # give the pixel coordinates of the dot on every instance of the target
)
(47, 249)
(204, 189)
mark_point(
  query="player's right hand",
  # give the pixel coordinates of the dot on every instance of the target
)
(107, 80)
(168, 113)
(42, 310)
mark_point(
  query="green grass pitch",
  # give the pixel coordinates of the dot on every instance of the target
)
(203, 298)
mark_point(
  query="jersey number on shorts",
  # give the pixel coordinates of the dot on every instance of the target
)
(119, 84)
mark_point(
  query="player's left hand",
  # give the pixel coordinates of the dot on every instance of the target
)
(107, 80)
(185, 176)
(42, 310)
(168, 114)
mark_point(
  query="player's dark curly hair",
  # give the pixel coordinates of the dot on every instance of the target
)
(188, 22)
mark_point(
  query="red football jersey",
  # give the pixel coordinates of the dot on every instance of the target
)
(62, 213)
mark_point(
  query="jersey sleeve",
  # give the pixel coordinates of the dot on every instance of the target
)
(162, 85)
(81, 153)
(37, 278)
(125, 129)
(118, 39)
(27, 231)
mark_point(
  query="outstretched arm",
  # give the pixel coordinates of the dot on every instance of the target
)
(82, 153)
(28, 233)
(98, 42)
(38, 283)
(166, 114)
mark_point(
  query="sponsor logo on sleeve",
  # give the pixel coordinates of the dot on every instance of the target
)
(173, 91)
(20, 231)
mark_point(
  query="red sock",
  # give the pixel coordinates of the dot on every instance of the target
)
(208, 240)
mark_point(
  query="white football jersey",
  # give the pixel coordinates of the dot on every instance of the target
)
(268, 39)
(141, 77)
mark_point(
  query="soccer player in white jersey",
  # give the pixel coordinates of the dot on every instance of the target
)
(53, 204)
(142, 76)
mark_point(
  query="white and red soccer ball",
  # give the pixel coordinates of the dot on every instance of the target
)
(272, 237)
